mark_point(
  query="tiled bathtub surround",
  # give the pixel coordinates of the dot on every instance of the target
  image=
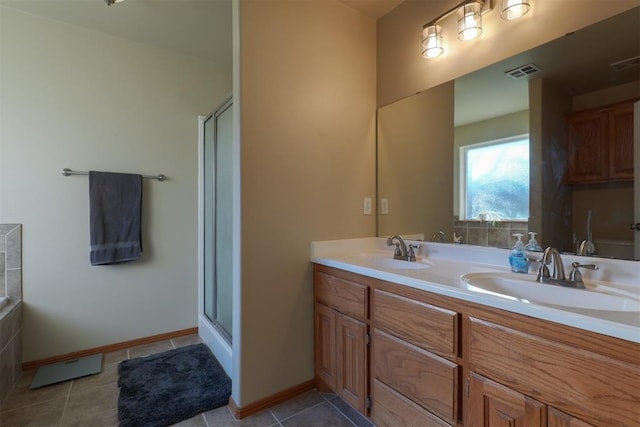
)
(486, 233)
(11, 313)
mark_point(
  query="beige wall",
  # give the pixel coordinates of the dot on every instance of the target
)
(76, 98)
(403, 72)
(307, 123)
(412, 133)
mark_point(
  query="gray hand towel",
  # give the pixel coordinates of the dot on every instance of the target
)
(115, 215)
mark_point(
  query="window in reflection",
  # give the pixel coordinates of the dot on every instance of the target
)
(496, 179)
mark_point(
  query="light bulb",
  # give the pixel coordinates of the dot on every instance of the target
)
(432, 41)
(513, 9)
(469, 21)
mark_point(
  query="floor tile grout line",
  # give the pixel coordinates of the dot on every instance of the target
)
(277, 423)
(343, 414)
(300, 412)
(28, 405)
(66, 402)
(330, 401)
(206, 423)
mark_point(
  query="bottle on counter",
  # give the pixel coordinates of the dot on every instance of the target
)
(532, 244)
(518, 258)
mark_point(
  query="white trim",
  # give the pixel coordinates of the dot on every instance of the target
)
(216, 342)
(636, 148)
(200, 307)
(236, 379)
(207, 332)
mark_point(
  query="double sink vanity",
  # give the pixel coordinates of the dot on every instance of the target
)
(455, 338)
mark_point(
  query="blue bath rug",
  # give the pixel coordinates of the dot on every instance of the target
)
(166, 388)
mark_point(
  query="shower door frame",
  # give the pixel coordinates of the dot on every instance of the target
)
(213, 335)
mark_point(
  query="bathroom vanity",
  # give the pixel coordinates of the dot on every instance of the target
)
(438, 342)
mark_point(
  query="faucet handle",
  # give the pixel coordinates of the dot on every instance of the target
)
(532, 258)
(412, 255)
(576, 265)
(576, 276)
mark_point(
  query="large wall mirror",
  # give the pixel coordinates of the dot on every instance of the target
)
(453, 160)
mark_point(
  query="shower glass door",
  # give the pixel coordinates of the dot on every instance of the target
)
(217, 219)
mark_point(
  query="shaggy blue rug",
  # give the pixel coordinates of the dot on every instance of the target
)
(166, 388)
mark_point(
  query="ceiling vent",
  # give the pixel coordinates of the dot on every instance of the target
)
(625, 64)
(523, 71)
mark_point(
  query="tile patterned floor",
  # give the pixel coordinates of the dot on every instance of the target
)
(93, 401)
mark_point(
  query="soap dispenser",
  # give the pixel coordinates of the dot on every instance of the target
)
(518, 258)
(532, 244)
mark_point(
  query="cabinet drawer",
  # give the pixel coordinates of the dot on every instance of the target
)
(391, 409)
(589, 386)
(427, 379)
(426, 326)
(343, 295)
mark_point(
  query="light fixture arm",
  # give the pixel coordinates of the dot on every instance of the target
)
(486, 6)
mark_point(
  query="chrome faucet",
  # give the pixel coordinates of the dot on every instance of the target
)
(558, 267)
(438, 234)
(401, 252)
(558, 277)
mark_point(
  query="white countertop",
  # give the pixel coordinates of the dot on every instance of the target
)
(448, 262)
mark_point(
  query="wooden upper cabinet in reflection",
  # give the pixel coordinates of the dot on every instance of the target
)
(600, 144)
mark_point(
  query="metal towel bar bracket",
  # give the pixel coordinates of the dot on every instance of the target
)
(69, 172)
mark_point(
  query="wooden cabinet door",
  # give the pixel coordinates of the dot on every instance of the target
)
(558, 418)
(352, 361)
(325, 347)
(494, 405)
(587, 147)
(392, 409)
(423, 377)
(621, 143)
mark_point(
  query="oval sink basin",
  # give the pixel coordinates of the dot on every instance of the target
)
(526, 289)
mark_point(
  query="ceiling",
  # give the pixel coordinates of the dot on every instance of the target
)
(200, 28)
(373, 8)
(577, 63)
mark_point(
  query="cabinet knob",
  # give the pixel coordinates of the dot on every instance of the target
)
(635, 226)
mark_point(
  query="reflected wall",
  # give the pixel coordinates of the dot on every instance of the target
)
(415, 158)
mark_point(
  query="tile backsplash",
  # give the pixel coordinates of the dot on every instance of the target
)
(487, 233)
(11, 313)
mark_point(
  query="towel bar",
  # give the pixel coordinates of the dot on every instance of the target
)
(69, 172)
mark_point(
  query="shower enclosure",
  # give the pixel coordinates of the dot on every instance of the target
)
(215, 229)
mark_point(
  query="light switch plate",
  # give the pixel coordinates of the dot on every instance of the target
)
(384, 206)
(367, 206)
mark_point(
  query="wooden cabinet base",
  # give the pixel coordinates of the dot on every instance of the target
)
(493, 405)
(391, 409)
(517, 370)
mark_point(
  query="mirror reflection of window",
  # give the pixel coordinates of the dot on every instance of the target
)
(495, 184)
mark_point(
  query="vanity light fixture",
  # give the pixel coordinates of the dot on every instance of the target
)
(514, 9)
(469, 21)
(469, 26)
(432, 41)
(469, 14)
(110, 2)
